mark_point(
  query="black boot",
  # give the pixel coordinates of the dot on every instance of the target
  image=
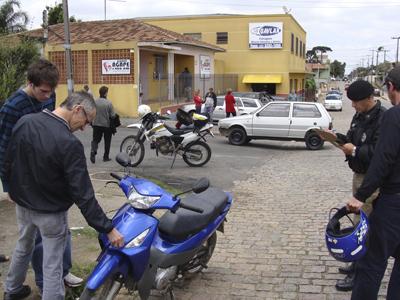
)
(93, 157)
(345, 284)
(23, 293)
(350, 268)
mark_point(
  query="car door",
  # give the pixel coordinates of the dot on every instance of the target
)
(272, 120)
(239, 106)
(304, 116)
(219, 112)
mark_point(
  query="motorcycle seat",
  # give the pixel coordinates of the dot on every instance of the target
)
(184, 223)
(175, 131)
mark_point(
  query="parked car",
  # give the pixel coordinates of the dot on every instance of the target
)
(333, 102)
(263, 97)
(243, 106)
(336, 93)
(280, 120)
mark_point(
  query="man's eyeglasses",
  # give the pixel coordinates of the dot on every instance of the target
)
(86, 116)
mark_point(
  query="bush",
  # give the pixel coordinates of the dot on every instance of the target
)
(14, 61)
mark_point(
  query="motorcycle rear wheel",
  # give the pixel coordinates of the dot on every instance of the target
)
(104, 292)
(197, 154)
(134, 149)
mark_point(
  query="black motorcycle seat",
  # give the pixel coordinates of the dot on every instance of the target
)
(184, 223)
(175, 131)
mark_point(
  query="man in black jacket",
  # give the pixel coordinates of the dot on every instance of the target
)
(384, 231)
(359, 147)
(46, 168)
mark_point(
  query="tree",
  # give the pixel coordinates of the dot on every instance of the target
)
(321, 50)
(10, 20)
(337, 69)
(56, 15)
(14, 61)
(311, 56)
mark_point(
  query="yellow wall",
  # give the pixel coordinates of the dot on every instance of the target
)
(123, 96)
(238, 58)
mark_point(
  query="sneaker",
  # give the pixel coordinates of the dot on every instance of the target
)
(346, 284)
(106, 159)
(24, 292)
(72, 281)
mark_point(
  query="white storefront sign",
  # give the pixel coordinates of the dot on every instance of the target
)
(205, 66)
(115, 66)
(265, 35)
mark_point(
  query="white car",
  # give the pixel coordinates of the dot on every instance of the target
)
(333, 102)
(279, 120)
(243, 106)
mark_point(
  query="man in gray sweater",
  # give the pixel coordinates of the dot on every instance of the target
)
(101, 125)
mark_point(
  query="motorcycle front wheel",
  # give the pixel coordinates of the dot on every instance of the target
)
(134, 149)
(107, 291)
(197, 154)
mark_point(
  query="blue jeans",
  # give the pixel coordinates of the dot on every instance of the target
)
(54, 231)
(37, 259)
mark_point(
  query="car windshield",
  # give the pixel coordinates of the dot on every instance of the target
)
(246, 95)
(332, 97)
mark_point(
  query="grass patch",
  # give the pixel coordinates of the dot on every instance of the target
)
(163, 185)
(83, 271)
(88, 232)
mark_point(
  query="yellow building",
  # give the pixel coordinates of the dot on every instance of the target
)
(138, 62)
(262, 52)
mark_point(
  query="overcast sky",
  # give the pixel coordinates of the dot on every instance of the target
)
(352, 28)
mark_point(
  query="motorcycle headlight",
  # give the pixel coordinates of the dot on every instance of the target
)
(141, 201)
(137, 241)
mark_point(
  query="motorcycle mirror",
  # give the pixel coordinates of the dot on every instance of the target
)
(201, 185)
(123, 159)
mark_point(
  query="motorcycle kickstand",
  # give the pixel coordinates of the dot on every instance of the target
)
(175, 153)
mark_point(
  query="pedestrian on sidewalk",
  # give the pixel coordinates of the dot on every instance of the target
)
(384, 230)
(197, 101)
(47, 173)
(210, 103)
(230, 104)
(102, 125)
(359, 147)
(38, 94)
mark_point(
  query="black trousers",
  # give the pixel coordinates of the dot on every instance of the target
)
(98, 132)
(229, 113)
(384, 241)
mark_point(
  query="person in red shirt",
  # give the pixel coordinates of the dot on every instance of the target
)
(197, 101)
(230, 104)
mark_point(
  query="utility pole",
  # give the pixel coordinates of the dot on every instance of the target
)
(67, 47)
(397, 51)
(384, 55)
(372, 58)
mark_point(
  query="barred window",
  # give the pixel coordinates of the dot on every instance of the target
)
(222, 38)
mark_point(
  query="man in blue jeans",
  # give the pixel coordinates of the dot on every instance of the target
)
(37, 95)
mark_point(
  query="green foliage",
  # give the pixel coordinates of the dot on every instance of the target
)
(11, 20)
(321, 50)
(14, 61)
(56, 15)
(310, 84)
(337, 69)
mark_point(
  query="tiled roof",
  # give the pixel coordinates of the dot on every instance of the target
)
(117, 30)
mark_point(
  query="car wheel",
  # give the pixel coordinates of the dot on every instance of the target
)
(314, 141)
(237, 136)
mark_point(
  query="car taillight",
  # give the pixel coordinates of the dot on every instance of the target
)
(330, 125)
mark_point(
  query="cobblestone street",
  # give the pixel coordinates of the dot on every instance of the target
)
(273, 246)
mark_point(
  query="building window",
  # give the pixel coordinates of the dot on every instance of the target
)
(222, 38)
(79, 65)
(160, 67)
(292, 44)
(297, 46)
(194, 35)
(304, 50)
(301, 49)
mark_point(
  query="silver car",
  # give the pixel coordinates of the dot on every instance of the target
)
(243, 106)
(279, 120)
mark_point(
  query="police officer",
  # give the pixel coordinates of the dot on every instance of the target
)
(359, 146)
(384, 233)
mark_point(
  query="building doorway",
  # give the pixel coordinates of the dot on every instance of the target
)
(270, 88)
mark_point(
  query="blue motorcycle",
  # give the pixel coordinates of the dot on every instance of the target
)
(157, 252)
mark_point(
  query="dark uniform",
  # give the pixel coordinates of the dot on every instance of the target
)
(384, 235)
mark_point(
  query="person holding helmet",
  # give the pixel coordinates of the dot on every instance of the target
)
(384, 231)
(358, 147)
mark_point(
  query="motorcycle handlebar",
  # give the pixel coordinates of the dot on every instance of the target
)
(192, 208)
(119, 178)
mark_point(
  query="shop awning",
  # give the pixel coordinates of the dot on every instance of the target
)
(262, 78)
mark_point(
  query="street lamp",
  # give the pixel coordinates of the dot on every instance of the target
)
(105, 7)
